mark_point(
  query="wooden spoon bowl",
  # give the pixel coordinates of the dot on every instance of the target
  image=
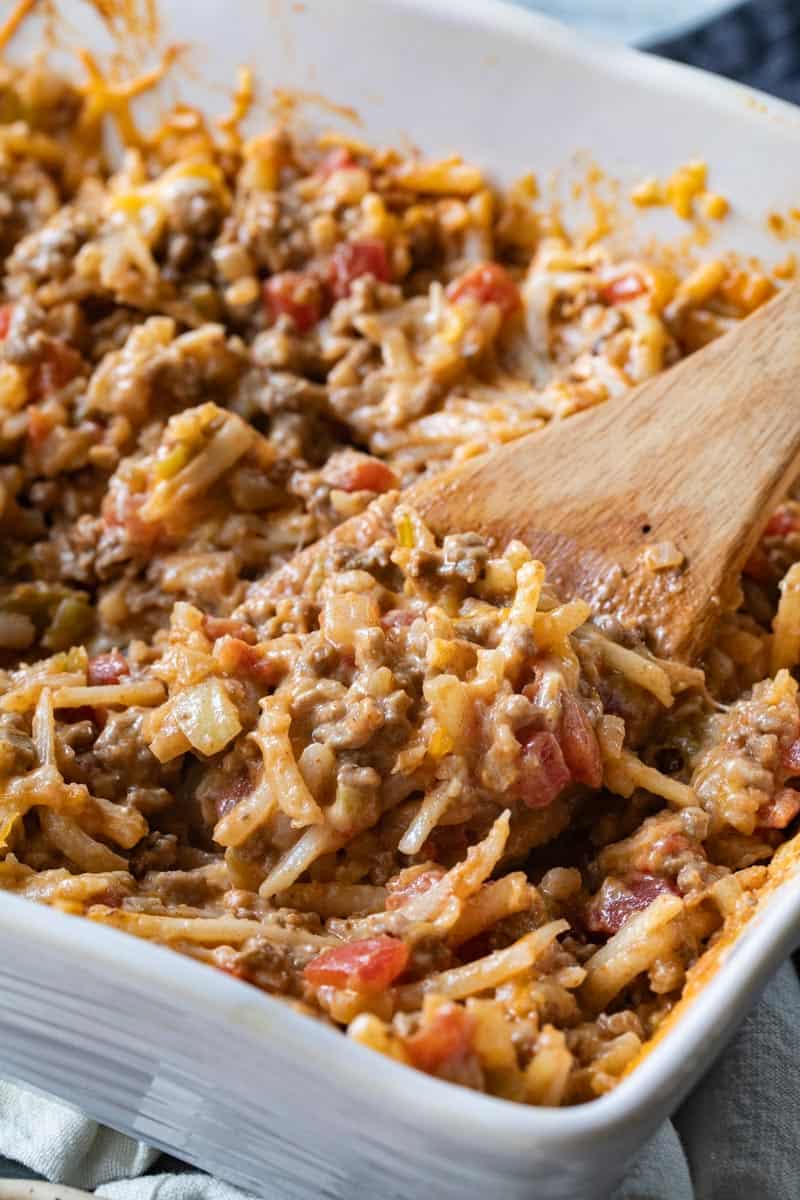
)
(694, 459)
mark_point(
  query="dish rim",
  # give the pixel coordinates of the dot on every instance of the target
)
(749, 959)
(509, 17)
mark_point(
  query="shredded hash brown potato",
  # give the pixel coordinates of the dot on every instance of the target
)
(416, 794)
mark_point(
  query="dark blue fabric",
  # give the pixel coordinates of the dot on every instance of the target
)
(757, 43)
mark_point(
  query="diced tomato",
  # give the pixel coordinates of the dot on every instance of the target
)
(619, 899)
(443, 1041)
(369, 965)
(656, 856)
(543, 773)
(623, 288)
(365, 474)
(782, 522)
(579, 743)
(410, 883)
(60, 365)
(237, 657)
(107, 668)
(217, 627)
(296, 296)
(780, 810)
(488, 283)
(673, 844)
(337, 159)
(351, 260)
(233, 789)
(6, 313)
(791, 756)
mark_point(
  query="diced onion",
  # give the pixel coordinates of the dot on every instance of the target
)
(207, 716)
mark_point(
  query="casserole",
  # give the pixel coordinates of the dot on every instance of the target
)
(441, 25)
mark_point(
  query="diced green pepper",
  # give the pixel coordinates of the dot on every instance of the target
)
(71, 621)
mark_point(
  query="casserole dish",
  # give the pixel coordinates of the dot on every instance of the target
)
(174, 1032)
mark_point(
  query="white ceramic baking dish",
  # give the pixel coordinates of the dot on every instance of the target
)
(195, 1062)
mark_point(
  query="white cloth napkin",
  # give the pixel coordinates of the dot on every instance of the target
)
(60, 1143)
(737, 1136)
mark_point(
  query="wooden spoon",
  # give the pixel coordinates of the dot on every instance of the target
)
(696, 457)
